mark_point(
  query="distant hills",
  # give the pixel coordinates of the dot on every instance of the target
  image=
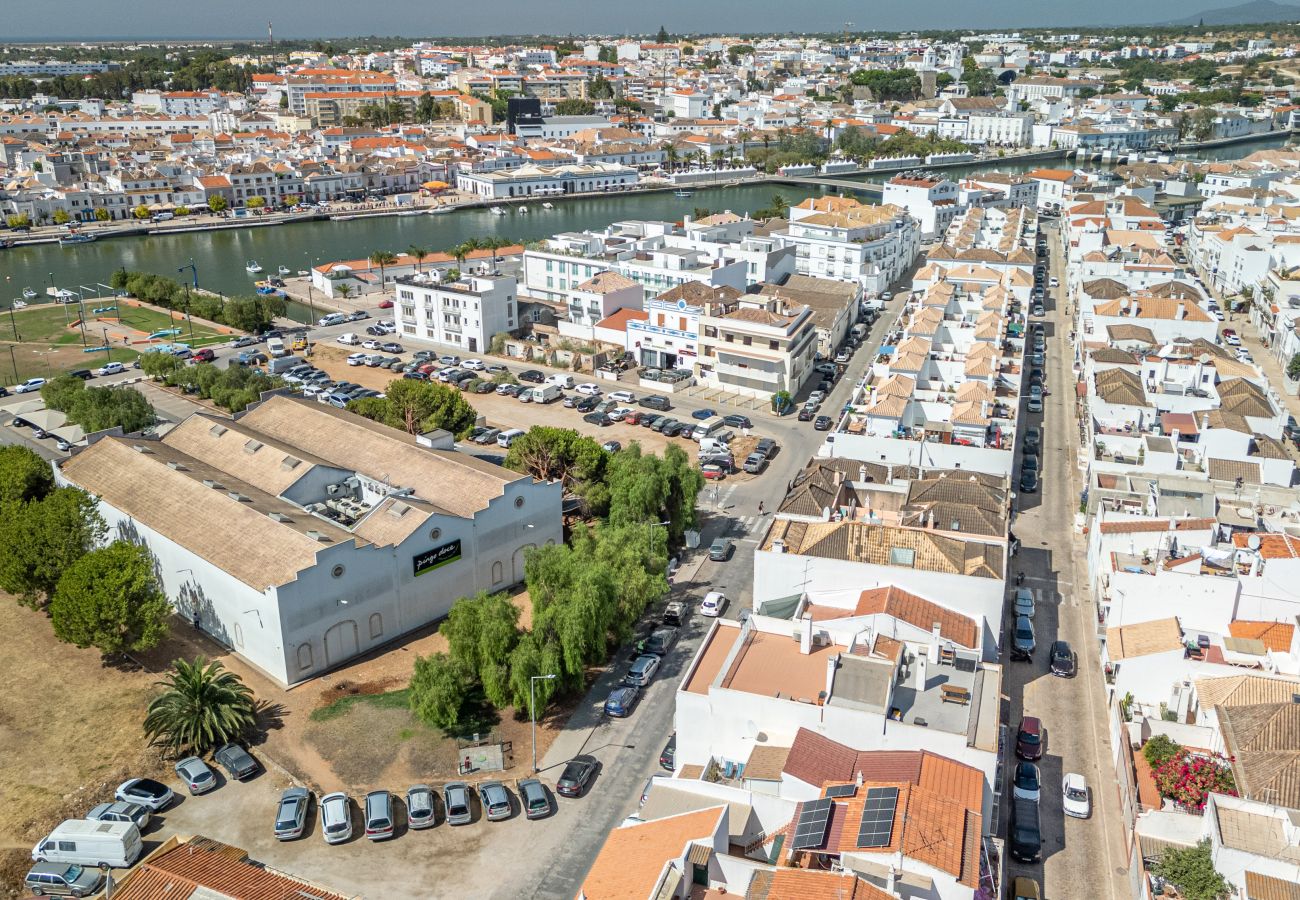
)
(1255, 12)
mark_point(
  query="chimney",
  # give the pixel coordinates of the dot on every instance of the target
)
(805, 635)
(936, 636)
(862, 473)
(831, 665)
(1181, 312)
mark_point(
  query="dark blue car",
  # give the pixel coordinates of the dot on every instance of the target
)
(621, 701)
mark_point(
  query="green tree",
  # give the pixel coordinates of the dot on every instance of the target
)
(100, 408)
(481, 633)
(889, 84)
(382, 258)
(437, 690)
(41, 539)
(158, 365)
(24, 476)
(533, 655)
(419, 406)
(218, 203)
(419, 253)
(21, 220)
(1159, 749)
(574, 106)
(662, 36)
(557, 454)
(426, 108)
(141, 212)
(61, 217)
(1191, 870)
(255, 202)
(737, 51)
(1293, 367)
(61, 392)
(109, 599)
(182, 210)
(101, 214)
(201, 707)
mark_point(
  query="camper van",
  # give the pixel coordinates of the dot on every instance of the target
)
(87, 842)
(275, 347)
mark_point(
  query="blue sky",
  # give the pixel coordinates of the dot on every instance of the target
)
(102, 19)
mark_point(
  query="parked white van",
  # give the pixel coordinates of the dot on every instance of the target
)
(90, 843)
(563, 381)
(708, 428)
(506, 438)
(349, 338)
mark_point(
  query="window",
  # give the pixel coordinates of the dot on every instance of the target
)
(519, 503)
(748, 341)
(435, 533)
(497, 573)
(773, 345)
(337, 571)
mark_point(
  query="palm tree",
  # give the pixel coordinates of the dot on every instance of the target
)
(419, 253)
(202, 707)
(671, 155)
(382, 258)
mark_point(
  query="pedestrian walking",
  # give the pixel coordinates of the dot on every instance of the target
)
(760, 507)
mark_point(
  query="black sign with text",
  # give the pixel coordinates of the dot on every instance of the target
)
(437, 557)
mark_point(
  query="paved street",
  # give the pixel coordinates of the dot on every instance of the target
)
(1075, 853)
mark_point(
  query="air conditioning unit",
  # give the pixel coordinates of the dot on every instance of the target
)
(335, 490)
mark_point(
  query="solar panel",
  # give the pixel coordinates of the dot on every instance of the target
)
(878, 817)
(842, 790)
(811, 828)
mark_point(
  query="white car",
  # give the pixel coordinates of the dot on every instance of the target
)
(1230, 339)
(588, 389)
(1074, 795)
(618, 415)
(623, 397)
(357, 359)
(371, 344)
(31, 384)
(474, 365)
(335, 818)
(713, 604)
(1054, 281)
(113, 368)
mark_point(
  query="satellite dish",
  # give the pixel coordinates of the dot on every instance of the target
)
(751, 729)
(1203, 359)
(1253, 542)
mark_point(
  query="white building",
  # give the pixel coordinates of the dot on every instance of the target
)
(842, 239)
(302, 536)
(930, 200)
(533, 180)
(465, 313)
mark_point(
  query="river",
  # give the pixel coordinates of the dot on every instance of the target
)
(220, 256)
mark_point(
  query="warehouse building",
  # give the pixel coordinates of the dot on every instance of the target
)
(302, 536)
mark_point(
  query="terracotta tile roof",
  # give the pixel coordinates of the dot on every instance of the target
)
(1266, 887)
(202, 866)
(896, 602)
(1275, 635)
(766, 763)
(630, 863)
(1262, 740)
(1147, 525)
(1244, 690)
(1143, 639)
(1232, 469)
(811, 884)
(1271, 546)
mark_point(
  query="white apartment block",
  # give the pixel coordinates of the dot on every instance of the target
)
(756, 345)
(931, 201)
(541, 181)
(844, 240)
(464, 313)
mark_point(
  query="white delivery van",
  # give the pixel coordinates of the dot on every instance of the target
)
(349, 338)
(708, 428)
(87, 842)
(275, 347)
(859, 331)
(562, 381)
(544, 393)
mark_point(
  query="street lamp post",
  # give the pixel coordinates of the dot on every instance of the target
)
(187, 313)
(532, 708)
(310, 301)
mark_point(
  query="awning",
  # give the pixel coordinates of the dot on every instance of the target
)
(435, 185)
(46, 419)
(70, 433)
(699, 854)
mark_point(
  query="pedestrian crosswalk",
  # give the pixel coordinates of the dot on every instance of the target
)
(752, 526)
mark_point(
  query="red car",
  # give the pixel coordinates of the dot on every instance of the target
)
(712, 472)
(385, 304)
(1029, 740)
(204, 355)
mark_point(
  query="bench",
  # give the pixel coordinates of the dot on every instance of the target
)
(951, 693)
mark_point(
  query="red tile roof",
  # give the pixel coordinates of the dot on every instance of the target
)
(1275, 635)
(203, 863)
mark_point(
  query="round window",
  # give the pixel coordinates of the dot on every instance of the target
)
(337, 571)
(519, 502)
(436, 533)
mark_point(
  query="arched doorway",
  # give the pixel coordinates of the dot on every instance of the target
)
(517, 563)
(340, 642)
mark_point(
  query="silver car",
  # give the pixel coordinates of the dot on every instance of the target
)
(419, 807)
(495, 799)
(335, 818)
(291, 815)
(196, 774)
(456, 798)
(121, 811)
(532, 796)
(643, 670)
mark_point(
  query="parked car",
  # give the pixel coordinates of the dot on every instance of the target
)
(291, 813)
(1230, 338)
(1061, 659)
(587, 389)
(530, 375)
(767, 447)
(121, 811)
(754, 463)
(1074, 796)
(152, 795)
(1032, 440)
(720, 549)
(1035, 403)
(1024, 839)
(197, 776)
(113, 368)
(1038, 310)
(420, 811)
(622, 396)
(1024, 603)
(1027, 781)
(584, 404)
(204, 355)
(1022, 639)
(701, 414)
(60, 879)
(712, 472)
(577, 775)
(736, 421)
(713, 604)
(675, 613)
(806, 413)
(533, 798)
(456, 800)
(474, 365)
(1029, 738)
(236, 761)
(1028, 481)
(336, 818)
(643, 670)
(379, 815)
(495, 800)
(31, 384)
(822, 423)
(668, 756)
(660, 641)
(621, 701)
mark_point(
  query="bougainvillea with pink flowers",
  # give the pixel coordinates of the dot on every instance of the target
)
(1188, 778)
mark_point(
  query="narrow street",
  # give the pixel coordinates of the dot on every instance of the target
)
(1080, 857)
